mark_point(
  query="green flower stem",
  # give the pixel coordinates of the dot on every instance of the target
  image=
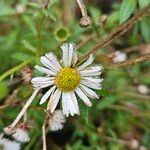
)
(14, 69)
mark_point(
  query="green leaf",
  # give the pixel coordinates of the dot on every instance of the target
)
(28, 46)
(106, 102)
(145, 29)
(127, 8)
(20, 56)
(3, 90)
(143, 3)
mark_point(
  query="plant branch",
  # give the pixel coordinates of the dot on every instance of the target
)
(82, 7)
(128, 62)
(24, 109)
(118, 32)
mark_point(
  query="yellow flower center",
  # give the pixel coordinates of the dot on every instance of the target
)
(67, 79)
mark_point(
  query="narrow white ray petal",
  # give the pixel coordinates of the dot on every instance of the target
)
(64, 48)
(83, 96)
(91, 85)
(47, 94)
(74, 99)
(54, 99)
(92, 71)
(43, 85)
(68, 105)
(94, 80)
(90, 93)
(87, 63)
(47, 63)
(45, 70)
(54, 60)
(42, 79)
(70, 56)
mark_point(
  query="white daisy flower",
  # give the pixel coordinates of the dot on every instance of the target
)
(56, 120)
(21, 135)
(6, 144)
(119, 56)
(66, 81)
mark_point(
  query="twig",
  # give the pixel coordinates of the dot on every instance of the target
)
(128, 62)
(115, 34)
(24, 109)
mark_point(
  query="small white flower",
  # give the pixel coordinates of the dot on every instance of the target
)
(143, 89)
(21, 135)
(66, 80)
(119, 56)
(6, 144)
(20, 8)
(56, 120)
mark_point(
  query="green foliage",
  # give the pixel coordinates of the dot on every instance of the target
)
(121, 112)
(127, 8)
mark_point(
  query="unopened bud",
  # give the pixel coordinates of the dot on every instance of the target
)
(103, 19)
(85, 21)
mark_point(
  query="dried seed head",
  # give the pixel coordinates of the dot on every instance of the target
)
(85, 21)
(26, 74)
(9, 130)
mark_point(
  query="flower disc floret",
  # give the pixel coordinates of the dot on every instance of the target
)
(67, 79)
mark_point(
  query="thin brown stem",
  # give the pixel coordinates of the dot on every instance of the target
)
(118, 32)
(82, 7)
(128, 62)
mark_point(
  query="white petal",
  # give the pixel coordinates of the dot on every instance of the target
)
(47, 94)
(69, 107)
(42, 79)
(91, 85)
(54, 99)
(53, 60)
(92, 71)
(45, 70)
(94, 80)
(74, 99)
(83, 96)
(47, 63)
(90, 93)
(68, 50)
(87, 63)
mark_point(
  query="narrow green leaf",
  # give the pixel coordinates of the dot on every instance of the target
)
(127, 8)
(145, 29)
(20, 56)
(12, 70)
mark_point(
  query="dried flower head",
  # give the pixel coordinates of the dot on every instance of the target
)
(26, 74)
(119, 56)
(56, 120)
(21, 135)
(9, 130)
(6, 144)
(66, 80)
